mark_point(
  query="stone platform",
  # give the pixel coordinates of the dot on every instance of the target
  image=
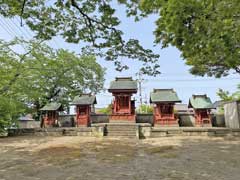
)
(128, 130)
(193, 131)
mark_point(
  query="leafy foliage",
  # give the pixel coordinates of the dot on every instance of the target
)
(94, 24)
(42, 75)
(226, 96)
(10, 110)
(106, 110)
(145, 109)
(206, 32)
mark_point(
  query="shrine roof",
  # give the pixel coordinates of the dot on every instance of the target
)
(164, 95)
(85, 99)
(123, 83)
(200, 102)
(53, 106)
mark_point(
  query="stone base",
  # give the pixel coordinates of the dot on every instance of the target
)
(203, 125)
(122, 121)
(166, 123)
(122, 118)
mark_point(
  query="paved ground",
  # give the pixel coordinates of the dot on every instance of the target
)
(176, 158)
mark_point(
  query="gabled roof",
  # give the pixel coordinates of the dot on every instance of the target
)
(53, 106)
(200, 102)
(164, 95)
(123, 83)
(85, 99)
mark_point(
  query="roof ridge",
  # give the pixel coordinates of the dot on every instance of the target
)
(123, 79)
(199, 95)
(158, 90)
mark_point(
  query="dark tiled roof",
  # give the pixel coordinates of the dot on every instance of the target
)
(85, 99)
(164, 95)
(200, 102)
(53, 106)
(123, 83)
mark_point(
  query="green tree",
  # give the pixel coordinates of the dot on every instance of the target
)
(145, 109)
(93, 24)
(227, 96)
(106, 110)
(42, 75)
(206, 32)
(10, 110)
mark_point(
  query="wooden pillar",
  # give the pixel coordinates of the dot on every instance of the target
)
(78, 115)
(129, 104)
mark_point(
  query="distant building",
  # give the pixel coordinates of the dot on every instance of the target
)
(28, 122)
(123, 108)
(183, 109)
(84, 107)
(164, 100)
(51, 114)
(202, 106)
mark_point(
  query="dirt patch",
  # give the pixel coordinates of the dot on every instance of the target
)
(104, 158)
(162, 151)
(112, 151)
(58, 155)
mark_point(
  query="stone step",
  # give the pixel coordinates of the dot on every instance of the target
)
(121, 129)
(121, 124)
(123, 137)
(121, 134)
(122, 121)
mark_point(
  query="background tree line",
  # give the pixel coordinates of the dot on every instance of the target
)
(41, 75)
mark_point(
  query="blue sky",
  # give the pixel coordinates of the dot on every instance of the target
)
(174, 71)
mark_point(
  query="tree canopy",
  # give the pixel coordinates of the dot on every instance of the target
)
(93, 23)
(207, 32)
(227, 96)
(41, 75)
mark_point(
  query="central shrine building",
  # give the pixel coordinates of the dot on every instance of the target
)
(123, 106)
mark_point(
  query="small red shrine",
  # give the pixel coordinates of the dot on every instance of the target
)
(164, 100)
(84, 107)
(202, 106)
(51, 114)
(123, 107)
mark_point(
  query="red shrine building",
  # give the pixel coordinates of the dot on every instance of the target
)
(164, 100)
(84, 108)
(51, 114)
(123, 107)
(202, 106)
